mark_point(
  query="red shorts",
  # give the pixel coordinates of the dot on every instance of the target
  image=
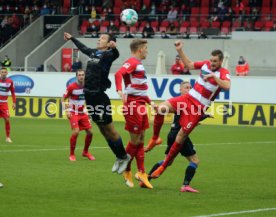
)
(136, 117)
(4, 111)
(80, 121)
(190, 113)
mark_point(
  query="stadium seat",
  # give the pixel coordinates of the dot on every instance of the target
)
(258, 25)
(226, 24)
(123, 28)
(268, 25)
(193, 29)
(265, 3)
(133, 29)
(235, 25)
(204, 24)
(225, 30)
(83, 29)
(215, 24)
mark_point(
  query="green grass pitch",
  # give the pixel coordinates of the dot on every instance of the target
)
(237, 172)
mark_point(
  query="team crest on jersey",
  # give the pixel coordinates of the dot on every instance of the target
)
(126, 65)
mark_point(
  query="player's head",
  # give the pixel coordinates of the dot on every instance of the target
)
(104, 40)
(177, 59)
(139, 48)
(185, 87)
(216, 59)
(80, 74)
(3, 73)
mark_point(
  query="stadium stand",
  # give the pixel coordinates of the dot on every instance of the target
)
(192, 16)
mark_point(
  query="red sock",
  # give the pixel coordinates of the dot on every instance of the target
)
(175, 149)
(8, 128)
(88, 140)
(131, 149)
(157, 125)
(140, 158)
(73, 141)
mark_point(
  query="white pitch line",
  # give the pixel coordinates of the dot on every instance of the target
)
(237, 213)
(106, 147)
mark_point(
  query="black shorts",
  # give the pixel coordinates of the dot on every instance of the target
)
(99, 107)
(187, 149)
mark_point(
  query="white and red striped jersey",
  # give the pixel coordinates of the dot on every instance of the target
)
(134, 75)
(76, 97)
(6, 86)
(206, 91)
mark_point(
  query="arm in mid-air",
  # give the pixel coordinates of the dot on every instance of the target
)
(79, 45)
(187, 62)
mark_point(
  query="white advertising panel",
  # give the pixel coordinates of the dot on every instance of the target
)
(243, 89)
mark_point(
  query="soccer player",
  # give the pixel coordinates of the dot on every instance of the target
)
(191, 106)
(187, 150)
(97, 102)
(79, 120)
(6, 85)
(135, 99)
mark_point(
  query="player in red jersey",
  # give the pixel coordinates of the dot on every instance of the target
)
(135, 99)
(6, 86)
(79, 120)
(191, 106)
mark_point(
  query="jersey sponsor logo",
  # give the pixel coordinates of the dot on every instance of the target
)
(22, 83)
(94, 60)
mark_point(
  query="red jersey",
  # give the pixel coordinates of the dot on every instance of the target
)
(177, 69)
(6, 86)
(76, 97)
(204, 92)
(134, 75)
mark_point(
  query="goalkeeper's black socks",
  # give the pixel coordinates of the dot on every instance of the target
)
(190, 172)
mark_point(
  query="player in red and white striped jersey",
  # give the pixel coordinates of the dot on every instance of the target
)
(75, 112)
(6, 86)
(191, 106)
(135, 99)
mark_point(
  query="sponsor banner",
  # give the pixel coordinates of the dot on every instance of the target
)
(236, 114)
(52, 23)
(66, 59)
(243, 89)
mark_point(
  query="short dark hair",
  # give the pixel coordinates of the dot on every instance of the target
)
(218, 53)
(79, 70)
(111, 37)
(136, 44)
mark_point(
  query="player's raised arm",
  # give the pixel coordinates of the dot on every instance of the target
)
(179, 48)
(79, 45)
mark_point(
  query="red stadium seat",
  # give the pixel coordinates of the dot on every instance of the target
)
(225, 30)
(193, 29)
(258, 25)
(123, 28)
(83, 30)
(235, 25)
(266, 3)
(215, 24)
(268, 25)
(226, 24)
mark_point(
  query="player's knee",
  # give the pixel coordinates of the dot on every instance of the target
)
(89, 133)
(195, 160)
(75, 131)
